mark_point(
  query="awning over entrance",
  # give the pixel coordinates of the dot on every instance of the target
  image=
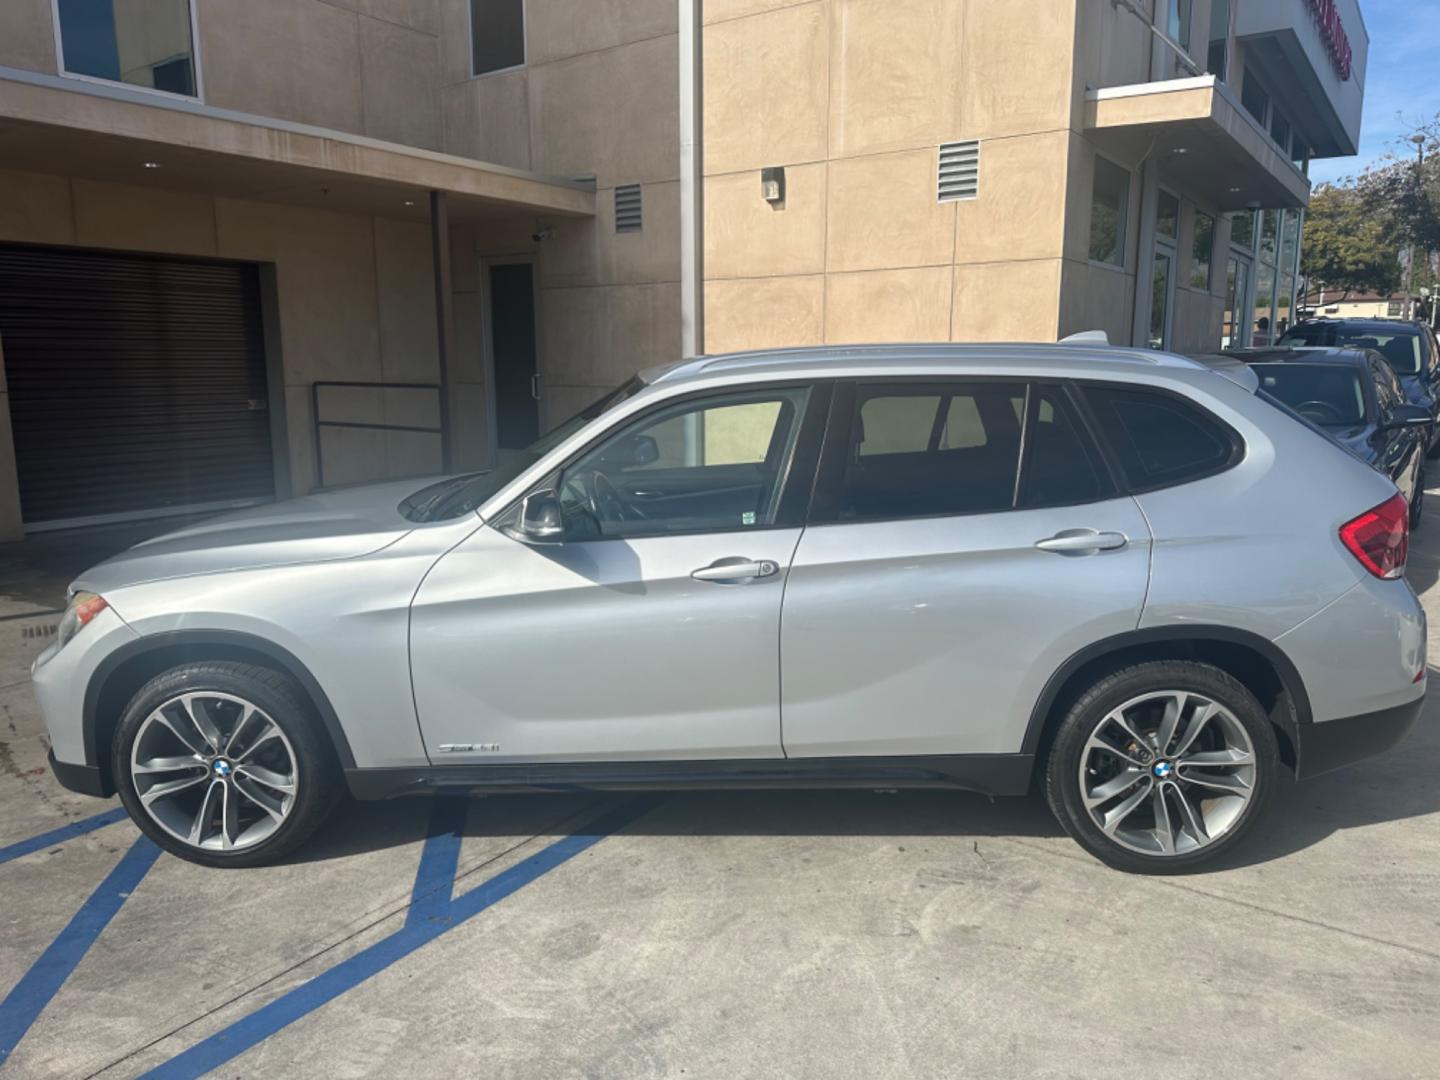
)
(49, 125)
(1202, 137)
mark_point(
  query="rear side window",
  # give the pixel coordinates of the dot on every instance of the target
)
(1161, 439)
(1060, 466)
(931, 451)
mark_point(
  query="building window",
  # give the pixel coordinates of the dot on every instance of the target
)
(1202, 249)
(145, 43)
(1177, 22)
(1280, 131)
(1109, 209)
(1167, 215)
(497, 35)
(1254, 98)
(1392, 308)
(1242, 229)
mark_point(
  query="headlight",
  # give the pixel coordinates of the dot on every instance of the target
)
(82, 608)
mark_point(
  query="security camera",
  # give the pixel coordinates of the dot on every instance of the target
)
(539, 236)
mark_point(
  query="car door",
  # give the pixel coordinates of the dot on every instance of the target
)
(965, 540)
(651, 630)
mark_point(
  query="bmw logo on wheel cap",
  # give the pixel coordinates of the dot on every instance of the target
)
(222, 767)
(1161, 769)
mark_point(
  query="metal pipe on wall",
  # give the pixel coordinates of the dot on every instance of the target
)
(692, 181)
(440, 250)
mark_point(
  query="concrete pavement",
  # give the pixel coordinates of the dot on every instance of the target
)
(796, 934)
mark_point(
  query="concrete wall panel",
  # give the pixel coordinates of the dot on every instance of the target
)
(36, 209)
(760, 313)
(400, 93)
(489, 119)
(747, 237)
(1010, 301)
(883, 213)
(1016, 72)
(1096, 298)
(556, 29)
(143, 219)
(888, 305)
(1020, 212)
(28, 38)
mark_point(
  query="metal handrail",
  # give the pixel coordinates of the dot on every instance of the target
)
(319, 423)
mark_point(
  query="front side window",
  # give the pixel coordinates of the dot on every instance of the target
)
(1202, 248)
(1109, 209)
(145, 43)
(713, 465)
(1160, 439)
(497, 35)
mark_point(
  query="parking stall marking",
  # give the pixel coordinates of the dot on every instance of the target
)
(63, 833)
(438, 917)
(42, 982)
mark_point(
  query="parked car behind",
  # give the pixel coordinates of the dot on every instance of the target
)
(1409, 348)
(1356, 398)
(1117, 573)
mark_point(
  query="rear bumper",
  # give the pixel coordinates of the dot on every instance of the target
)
(83, 779)
(1333, 743)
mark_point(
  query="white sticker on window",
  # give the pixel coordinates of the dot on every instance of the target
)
(747, 518)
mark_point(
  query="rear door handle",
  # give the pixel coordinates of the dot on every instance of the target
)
(1082, 542)
(734, 571)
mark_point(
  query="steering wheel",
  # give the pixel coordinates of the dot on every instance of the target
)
(1322, 412)
(602, 499)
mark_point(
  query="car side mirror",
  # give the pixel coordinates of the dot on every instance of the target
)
(541, 520)
(631, 451)
(1407, 415)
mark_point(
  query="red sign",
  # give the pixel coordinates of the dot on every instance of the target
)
(1332, 32)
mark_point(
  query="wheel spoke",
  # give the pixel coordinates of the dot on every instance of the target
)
(269, 777)
(1099, 742)
(1230, 783)
(229, 816)
(253, 793)
(1217, 759)
(195, 746)
(199, 712)
(268, 732)
(1197, 723)
(1169, 721)
(1121, 782)
(1190, 821)
(245, 716)
(1164, 831)
(171, 787)
(1118, 719)
(169, 764)
(213, 796)
(1117, 816)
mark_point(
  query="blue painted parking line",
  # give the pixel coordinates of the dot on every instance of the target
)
(440, 846)
(435, 879)
(65, 832)
(41, 983)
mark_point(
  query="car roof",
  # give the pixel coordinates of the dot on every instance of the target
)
(1317, 354)
(1078, 358)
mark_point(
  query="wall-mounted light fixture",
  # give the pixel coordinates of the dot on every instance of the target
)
(772, 185)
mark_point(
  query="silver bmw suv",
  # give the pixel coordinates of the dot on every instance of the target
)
(1122, 577)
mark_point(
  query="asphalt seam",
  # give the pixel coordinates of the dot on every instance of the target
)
(368, 927)
(1285, 915)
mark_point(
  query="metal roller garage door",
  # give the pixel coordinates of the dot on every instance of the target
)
(137, 384)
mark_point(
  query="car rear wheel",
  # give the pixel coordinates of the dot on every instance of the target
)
(223, 765)
(1162, 767)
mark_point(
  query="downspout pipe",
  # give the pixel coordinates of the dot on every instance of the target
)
(692, 182)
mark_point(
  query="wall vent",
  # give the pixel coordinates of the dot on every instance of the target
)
(627, 208)
(959, 176)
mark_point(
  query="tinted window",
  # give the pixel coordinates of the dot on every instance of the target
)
(1060, 465)
(1400, 345)
(921, 452)
(1160, 439)
(497, 35)
(1330, 395)
(1109, 210)
(713, 465)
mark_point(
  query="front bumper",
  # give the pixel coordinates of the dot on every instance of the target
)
(82, 779)
(1330, 744)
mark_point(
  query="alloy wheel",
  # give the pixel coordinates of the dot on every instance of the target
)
(1167, 773)
(214, 771)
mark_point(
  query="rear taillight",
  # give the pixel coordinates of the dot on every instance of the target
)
(1380, 538)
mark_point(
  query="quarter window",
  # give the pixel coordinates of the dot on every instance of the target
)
(1160, 439)
(1109, 211)
(497, 35)
(146, 43)
(714, 465)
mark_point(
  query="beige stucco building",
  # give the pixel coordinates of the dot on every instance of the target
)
(475, 213)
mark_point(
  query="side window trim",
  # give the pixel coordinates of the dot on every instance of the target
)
(791, 504)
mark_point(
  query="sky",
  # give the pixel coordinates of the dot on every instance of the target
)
(1402, 83)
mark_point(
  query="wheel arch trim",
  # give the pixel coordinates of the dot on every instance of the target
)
(199, 641)
(1164, 635)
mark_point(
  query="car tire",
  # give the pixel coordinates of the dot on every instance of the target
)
(224, 764)
(1105, 767)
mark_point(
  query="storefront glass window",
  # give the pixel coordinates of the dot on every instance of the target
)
(1109, 207)
(1284, 298)
(1242, 229)
(145, 43)
(1263, 323)
(1167, 215)
(1237, 282)
(1289, 240)
(1159, 299)
(1269, 230)
(1202, 250)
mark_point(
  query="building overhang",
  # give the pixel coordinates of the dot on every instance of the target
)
(1203, 139)
(51, 124)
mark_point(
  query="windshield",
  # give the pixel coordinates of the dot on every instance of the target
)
(1400, 345)
(458, 495)
(1330, 395)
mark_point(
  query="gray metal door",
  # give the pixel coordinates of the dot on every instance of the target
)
(137, 384)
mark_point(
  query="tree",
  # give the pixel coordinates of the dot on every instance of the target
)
(1348, 246)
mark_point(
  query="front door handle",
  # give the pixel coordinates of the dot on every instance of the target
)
(734, 571)
(1082, 542)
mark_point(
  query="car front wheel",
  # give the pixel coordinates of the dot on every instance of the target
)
(1161, 767)
(222, 764)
